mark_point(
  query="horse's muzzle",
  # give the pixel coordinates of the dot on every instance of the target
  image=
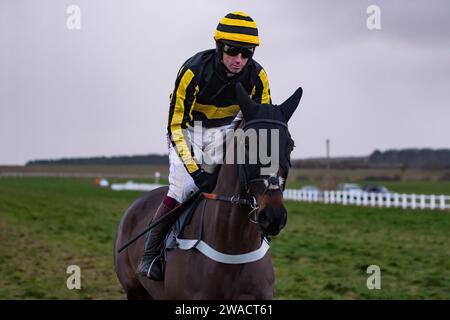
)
(272, 220)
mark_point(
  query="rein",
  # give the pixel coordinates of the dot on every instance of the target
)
(236, 199)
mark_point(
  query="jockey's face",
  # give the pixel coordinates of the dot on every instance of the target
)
(234, 64)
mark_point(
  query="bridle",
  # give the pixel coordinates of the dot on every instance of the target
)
(270, 182)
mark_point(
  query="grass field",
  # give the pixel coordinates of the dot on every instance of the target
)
(48, 224)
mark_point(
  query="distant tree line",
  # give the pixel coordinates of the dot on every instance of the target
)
(332, 163)
(151, 159)
(412, 158)
(405, 159)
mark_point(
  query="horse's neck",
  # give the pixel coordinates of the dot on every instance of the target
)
(228, 226)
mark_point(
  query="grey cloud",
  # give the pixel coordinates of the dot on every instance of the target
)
(103, 90)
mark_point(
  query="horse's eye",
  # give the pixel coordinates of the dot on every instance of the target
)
(291, 145)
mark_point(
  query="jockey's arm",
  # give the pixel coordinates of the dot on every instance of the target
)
(262, 90)
(180, 114)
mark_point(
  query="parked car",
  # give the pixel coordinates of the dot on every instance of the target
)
(375, 188)
(310, 188)
(353, 187)
(352, 191)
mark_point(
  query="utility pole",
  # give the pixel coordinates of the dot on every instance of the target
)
(328, 160)
(328, 153)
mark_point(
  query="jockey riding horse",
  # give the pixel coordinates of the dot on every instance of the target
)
(204, 92)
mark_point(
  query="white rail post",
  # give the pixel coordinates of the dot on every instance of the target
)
(380, 200)
(404, 201)
(432, 202)
(372, 199)
(338, 197)
(396, 202)
(316, 196)
(442, 202)
(344, 198)
(388, 200)
(326, 196)
(422, 201)
(358, 198)
(413, 201)
(365, 199)
(351, 198)
(332, 196)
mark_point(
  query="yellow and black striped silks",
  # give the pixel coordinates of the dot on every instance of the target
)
(237, 26)
(203, 92)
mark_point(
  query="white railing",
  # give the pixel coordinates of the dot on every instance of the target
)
(133, 186)
(386, 200)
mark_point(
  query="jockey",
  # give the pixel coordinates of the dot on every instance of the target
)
(204, 91)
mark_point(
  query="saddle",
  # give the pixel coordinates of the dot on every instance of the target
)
(184, 218)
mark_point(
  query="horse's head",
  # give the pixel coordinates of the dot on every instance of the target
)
(268, 145)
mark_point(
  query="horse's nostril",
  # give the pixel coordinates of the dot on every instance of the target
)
(262, 217)
(272, 220)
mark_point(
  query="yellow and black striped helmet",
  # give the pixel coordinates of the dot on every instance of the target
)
(237, 27)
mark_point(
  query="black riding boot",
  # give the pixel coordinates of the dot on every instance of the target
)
(151, 262)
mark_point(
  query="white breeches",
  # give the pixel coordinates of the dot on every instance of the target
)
(207, 146)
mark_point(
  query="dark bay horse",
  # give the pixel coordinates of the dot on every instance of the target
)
(227, 227)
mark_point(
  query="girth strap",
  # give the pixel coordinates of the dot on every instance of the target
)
(203, 247)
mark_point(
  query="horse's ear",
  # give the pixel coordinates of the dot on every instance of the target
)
(248, 106)
(288, 107)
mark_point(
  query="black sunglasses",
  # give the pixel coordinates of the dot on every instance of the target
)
(234, 51)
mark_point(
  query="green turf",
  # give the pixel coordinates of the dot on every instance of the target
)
(48, 224)
(325, 251)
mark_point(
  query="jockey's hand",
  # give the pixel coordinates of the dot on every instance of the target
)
(203, 180)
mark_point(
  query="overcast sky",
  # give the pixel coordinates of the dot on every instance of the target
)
(104, 89)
